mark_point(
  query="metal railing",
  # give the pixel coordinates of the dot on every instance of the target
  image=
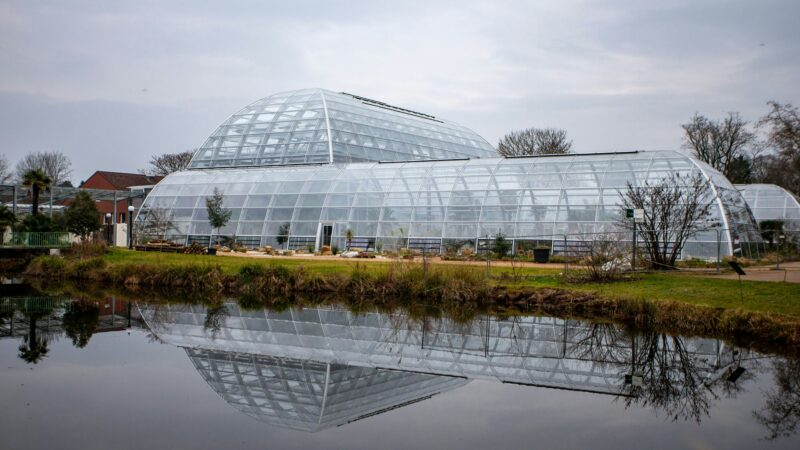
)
(709, 252)
(27, 239)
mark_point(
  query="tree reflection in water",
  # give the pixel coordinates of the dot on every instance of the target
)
(80, 321)
(660, 371)
(675, 381)
(215, 318)
(35, 346)
(781, 412)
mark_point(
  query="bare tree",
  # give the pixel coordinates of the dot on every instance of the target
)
(55, 165)
(534, 141)
(157, 222)
(782, 165)
(675, 208)
(5, 170)
(167, 163)
(721, 144)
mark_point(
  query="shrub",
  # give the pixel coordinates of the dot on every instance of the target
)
(249, 272)
(47, 266)
(88, 269)
(88, 248)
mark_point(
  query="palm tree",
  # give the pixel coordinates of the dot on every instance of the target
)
(37, 181)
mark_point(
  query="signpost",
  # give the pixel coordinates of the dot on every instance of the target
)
(638, 216)
(738, 269)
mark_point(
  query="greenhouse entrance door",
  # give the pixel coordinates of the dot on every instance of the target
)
(326, 233)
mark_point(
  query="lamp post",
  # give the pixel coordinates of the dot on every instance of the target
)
(108, 228)
(130, 226)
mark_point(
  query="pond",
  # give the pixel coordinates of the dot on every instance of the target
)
(106, 372)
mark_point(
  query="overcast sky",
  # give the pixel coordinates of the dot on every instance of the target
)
(112, 83)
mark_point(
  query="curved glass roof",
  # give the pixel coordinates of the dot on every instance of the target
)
(771, 202)
(432, 203)
(316, 126)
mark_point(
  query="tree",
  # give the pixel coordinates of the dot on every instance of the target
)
(5, 172)
(348, 236)
(55, 165)
(218, 216)
(155, 222)
(675, 208)
(39, 222)
(782, 166)
(534, 141)
(723, 144)
(82, 215)
(501, 246)
(7, 219)
(37, 181)
(283, 234)
(167, 163)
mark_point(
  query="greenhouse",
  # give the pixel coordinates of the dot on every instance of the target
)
(771, 202)
(311, 168)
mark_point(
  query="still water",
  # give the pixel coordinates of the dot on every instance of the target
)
(108, 373)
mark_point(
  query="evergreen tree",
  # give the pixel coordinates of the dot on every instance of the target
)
(82, 216)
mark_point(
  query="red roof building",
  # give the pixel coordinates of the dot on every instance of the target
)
(117, 181)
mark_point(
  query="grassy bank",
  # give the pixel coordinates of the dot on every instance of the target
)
(768, 311)
(765, 297)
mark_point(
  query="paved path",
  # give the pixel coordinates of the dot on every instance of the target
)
(789, 272)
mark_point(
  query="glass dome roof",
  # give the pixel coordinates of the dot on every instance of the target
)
(316, 126)
(770, 202)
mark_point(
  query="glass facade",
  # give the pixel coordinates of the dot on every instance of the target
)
(318, 126)
(771, 202)
(433, 205)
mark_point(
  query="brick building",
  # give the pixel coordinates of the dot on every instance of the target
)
(118, 181)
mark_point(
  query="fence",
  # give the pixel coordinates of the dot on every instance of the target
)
(26, 239)
(706, 249)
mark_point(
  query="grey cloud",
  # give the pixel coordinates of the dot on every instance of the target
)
(110, 83)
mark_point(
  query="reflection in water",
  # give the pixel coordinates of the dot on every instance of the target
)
(318, 367)
(38, 321)
(309, 395)
(781, 412)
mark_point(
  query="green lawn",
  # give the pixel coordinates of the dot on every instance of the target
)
(759, 296)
